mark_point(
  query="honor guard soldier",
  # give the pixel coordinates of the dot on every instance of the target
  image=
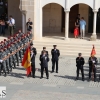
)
(44, 49)
(33, 48)
(44, 64)
(79, 64)
(92, 64)
(33, 63)
(92, 67)
(55, 57)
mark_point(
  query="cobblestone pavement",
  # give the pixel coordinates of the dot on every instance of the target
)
(65, 77)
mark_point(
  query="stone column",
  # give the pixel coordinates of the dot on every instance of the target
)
(94, 36)
(23, 21)
(66, 24)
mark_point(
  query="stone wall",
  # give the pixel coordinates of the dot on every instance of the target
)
(13, 9)
(52, 15)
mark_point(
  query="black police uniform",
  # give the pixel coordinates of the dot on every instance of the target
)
(55, 57)
(79, 64)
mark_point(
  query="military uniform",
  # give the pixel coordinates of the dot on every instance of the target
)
(55, 57)
(79, 64)
(3, 63)
(7, 60)
(92, 66)
(33, 63)
(12, 49)
(17, 53)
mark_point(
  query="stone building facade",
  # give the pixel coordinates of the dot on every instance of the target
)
(54, 16)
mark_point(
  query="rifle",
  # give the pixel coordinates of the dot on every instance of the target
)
(6, 57)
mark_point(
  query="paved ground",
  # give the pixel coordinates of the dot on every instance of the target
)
(60, 86)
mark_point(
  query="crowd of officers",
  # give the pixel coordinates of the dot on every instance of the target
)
(44, 59)
(12, 50)
(92, 67)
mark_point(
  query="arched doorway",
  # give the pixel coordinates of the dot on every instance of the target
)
(4, 9)
(53, 20)
(85, 11)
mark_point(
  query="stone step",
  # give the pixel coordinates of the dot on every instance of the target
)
(67, 46)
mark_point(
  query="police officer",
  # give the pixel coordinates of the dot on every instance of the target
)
(92, 66)
(55, 57)
(79, 64)
(44, 64)
(44, 49)
(33, 63)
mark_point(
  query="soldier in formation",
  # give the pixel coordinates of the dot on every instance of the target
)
(12, 50)
(92, 67)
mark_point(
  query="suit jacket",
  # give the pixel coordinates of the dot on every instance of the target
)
(55, 54)
(46, 52)
(92, 61)
(80, 62)
(33, 59)
(44, 60)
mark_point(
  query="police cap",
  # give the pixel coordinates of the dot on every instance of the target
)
(54, 45)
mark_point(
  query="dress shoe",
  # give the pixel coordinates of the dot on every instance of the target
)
(33, 76)
(94, 80)
(56, 71)
(82, 79)
(41, 77)
(47, 77)
(76, 78)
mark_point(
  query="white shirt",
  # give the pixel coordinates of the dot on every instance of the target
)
(11, 22)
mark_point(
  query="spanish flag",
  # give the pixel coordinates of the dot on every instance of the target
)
(26, 61)
(93, 52)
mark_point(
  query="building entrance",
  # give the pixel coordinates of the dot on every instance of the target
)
(3, 9)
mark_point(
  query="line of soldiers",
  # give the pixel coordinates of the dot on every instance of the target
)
(92, 66)
(12, 50)
(44, 59)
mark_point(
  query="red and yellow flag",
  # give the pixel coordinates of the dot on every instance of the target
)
(26, 61)
(93, 52)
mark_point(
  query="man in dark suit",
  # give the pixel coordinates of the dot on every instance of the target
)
(44, 49)
(79, 64)
(34, 49)
(55, 57)
(33, 63)
(92, 67)
(44, 64)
